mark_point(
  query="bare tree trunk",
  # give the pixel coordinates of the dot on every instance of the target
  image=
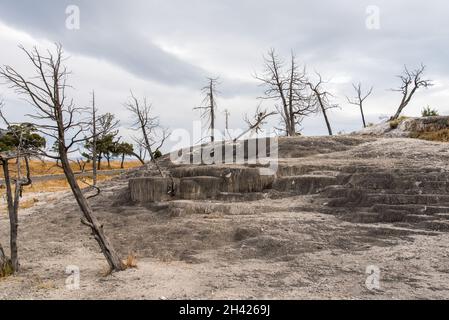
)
(12, 217)
(212, 112)
(114, 261)
(138, 158)
(94, 142)
(14, 231)
(99, 162)
(363, 116)
(323, 109)
(208, 111)
(5, 264)
(150, 151)
(292, 126)
(48, 97)
(322, 101)
(3, 258)
(399, 111)
(329, 129)
(123, 160)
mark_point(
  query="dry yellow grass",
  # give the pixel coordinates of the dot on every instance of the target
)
(396, 122)
(131, 261)
(61, 184)
(28, 203)
(440, 135)
(41, 168)
(50, 186)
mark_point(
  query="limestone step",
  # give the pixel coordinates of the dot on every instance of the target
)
(303, 184)
(442, 216)
(200, 187)
(425, 199)
(150, 189)
(435, 225)
(407, 208)
(299, 169)
(437, 209)
(361, 217)
(414, 218)
(240, 197)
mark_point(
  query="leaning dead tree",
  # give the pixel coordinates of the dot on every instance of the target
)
(288, 89)
(152, 134)
(57, 117)
(209, 107)
(359, 99)
(255, 124)
(320, 98)
(141, 156)
(411, 82)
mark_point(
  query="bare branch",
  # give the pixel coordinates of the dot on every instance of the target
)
(288, 89)
(411, 81)
(46, 91)
(258, 120)
(359, 99)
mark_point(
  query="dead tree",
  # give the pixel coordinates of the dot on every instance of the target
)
(210, 105)
(226, 114)
(57, 117)
(256, 122)
(142, 150)
(411, 82)
(17, 149)
(320, 98)
(359, 99)
(94, 141)
(82, 167)
(13, 197)
(288, 89)
(148, 127)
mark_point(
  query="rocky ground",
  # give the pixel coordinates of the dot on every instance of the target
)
(368, 201)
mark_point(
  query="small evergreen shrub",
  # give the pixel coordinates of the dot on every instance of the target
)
(157, 154)
(429, 112)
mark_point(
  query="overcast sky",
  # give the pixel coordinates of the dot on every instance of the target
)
(164, 50)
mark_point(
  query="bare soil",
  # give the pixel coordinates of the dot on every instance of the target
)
(265, 249)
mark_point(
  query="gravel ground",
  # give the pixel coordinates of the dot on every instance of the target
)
(267, 249)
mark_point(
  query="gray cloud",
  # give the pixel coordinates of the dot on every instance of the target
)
(231, 36)
(104, 37)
